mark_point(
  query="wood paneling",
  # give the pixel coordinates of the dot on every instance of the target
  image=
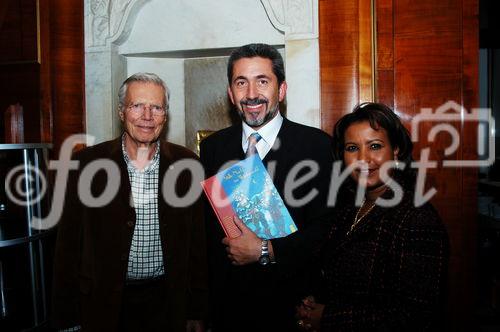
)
(67, 69)
(19, 64)
(14, 124)
(42, 68)
(345, 57)
(427, 53)
(470, 98)
(45, 73)
(435, 47)
(19, 84)
(339, 49)
(18, 31)
(385, 53)
(365, 60)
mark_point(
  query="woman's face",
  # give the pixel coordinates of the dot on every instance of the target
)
(369, 149)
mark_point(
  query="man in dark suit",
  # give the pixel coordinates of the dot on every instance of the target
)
(131, 261)
(255, 283)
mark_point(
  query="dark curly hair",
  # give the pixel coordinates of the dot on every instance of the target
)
(379, 116)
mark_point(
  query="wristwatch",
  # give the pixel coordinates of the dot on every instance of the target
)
(264, 258)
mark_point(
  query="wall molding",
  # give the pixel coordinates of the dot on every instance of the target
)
(297, 19)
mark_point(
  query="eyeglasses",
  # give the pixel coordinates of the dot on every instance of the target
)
(139, 108)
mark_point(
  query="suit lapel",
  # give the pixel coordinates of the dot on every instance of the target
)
(165, 163)
(280, 150)
(124, 191)
(229, 149)
(124, 208)
(234, 148)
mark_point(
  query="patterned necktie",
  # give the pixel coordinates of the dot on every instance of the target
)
(253, 139)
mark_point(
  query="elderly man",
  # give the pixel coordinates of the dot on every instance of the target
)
(134, 262)
(255, 282)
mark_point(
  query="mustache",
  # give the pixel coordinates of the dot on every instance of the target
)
(254, 101)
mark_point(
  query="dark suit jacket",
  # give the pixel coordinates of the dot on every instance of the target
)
(93, 245)
(257, 296)
(389, 274)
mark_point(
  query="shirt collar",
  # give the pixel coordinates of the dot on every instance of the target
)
(153, 163)
(268, 132)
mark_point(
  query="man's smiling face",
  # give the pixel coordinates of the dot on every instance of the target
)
(143, 128)
(255, 92)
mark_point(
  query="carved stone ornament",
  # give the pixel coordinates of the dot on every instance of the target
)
(296, 18)
(111, 20)
(99, 10)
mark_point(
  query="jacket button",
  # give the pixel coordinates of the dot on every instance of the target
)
(130, 223)
(124, 257)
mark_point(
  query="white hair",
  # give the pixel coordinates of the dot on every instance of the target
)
(144, 78)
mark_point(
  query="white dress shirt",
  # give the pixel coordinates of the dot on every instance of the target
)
(268, 132)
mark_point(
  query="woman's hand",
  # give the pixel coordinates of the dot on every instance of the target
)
(309, 314)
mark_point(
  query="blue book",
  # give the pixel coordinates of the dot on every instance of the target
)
(246, 190)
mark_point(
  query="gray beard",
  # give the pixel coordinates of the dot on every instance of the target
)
(259, 122)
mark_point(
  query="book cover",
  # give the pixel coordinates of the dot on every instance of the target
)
(246, 190)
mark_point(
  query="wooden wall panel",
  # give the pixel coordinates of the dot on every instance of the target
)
(470, 98)
(19, 64)
(345, 57)
(431, 62)
(18, 31)
(19, 83)
(339, 49)
(385, 53)
(45, 73)
(365, 60)
(67, 69)
(42, 69)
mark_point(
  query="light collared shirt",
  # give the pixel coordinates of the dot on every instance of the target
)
(269, 133)
(146, 255)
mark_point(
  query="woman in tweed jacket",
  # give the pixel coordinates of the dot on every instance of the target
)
(383, 267)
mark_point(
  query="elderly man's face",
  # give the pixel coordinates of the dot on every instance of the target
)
(143, 115)
(255, 92)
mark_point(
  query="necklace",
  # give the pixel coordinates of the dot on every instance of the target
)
(358, 218)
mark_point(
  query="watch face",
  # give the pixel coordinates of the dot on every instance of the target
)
(264, 259)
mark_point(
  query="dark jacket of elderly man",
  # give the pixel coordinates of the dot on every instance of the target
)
(94, 243)
(137, 261)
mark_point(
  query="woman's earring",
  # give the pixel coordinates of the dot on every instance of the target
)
(396, 162)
